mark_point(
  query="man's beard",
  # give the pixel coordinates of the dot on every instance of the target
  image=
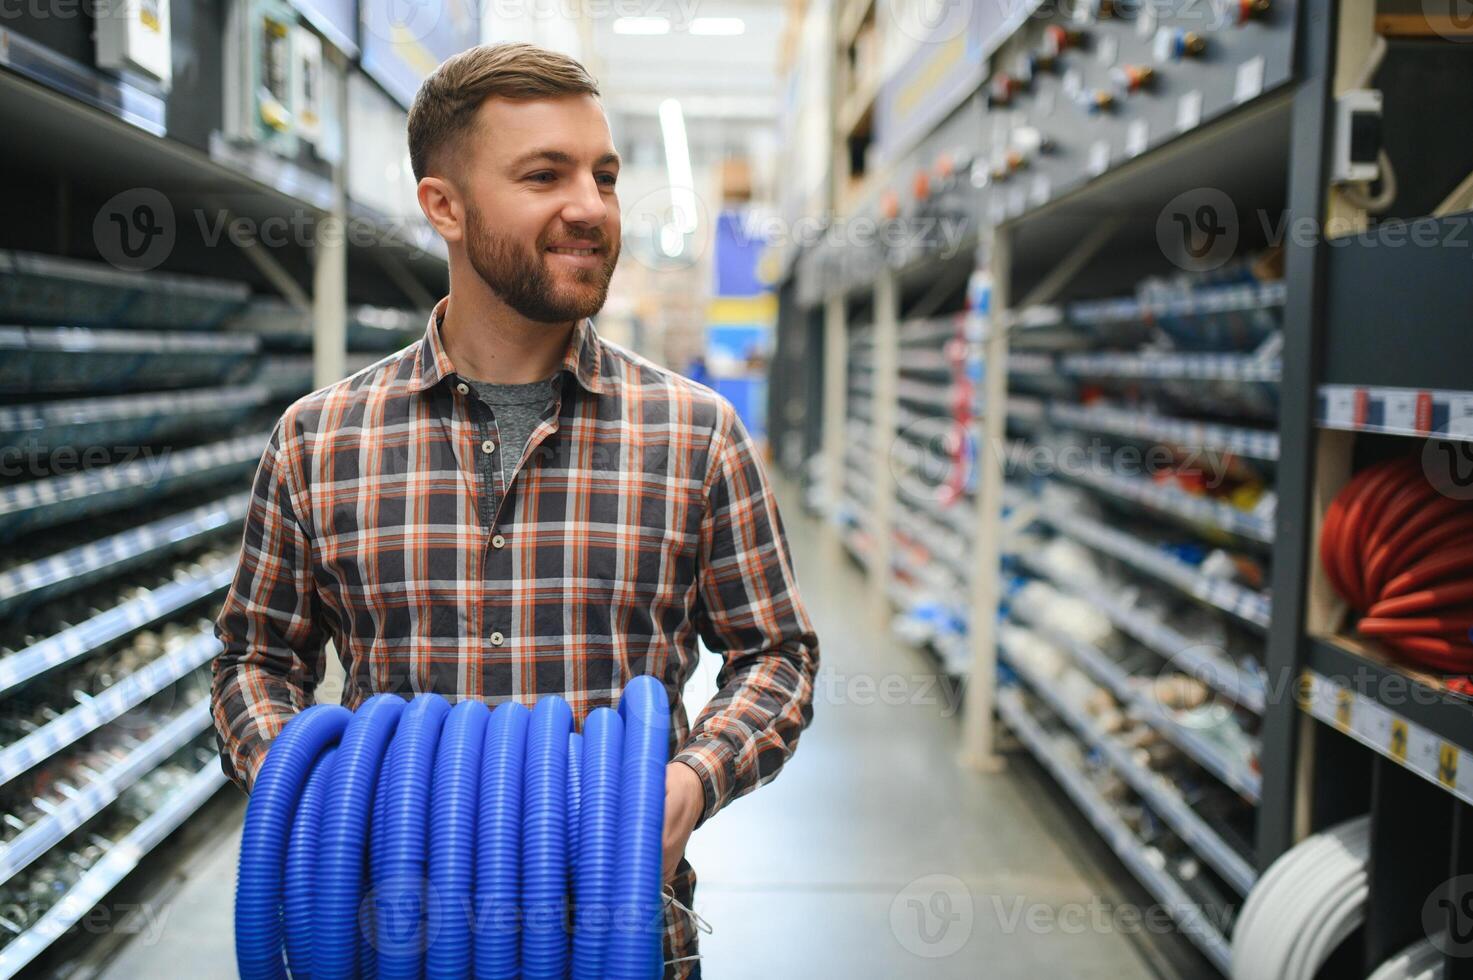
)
(524, 282)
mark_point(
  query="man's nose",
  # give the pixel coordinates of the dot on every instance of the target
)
(585, 204)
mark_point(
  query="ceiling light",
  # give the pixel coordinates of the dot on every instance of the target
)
(718, 26)
(641, 25)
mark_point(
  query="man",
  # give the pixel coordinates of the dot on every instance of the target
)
(514, 507)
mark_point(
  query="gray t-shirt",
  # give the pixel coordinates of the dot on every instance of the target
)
(517, 410)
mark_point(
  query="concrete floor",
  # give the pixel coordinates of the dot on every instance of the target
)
(872, 855)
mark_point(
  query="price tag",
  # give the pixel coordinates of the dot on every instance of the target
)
(1249, 82)
(1460, 415)
(1108, 49)
(1099, 157)
(1146, 25)
(1400, 412)
(1017, 200)
(1422, 751)
(1339, 406)
(1136, 136)
(1162, 47)
(1189, 110)
(1040, 192)
(1373, 722)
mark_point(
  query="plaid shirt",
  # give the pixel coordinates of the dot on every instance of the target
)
(638, 518)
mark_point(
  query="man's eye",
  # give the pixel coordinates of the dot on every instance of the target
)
(543, 177)
(607, 179)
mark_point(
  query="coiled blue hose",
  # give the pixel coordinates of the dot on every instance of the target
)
(414, 839)
(454, 811)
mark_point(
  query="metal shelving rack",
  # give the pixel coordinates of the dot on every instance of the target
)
(166, 427)
(1339, 727)
(138, 403)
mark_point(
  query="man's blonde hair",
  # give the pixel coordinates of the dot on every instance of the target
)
(443, 114)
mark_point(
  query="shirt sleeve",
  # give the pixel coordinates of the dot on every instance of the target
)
(750, 613)
(270, 629)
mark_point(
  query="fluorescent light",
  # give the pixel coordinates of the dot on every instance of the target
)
(718, 26)
(677, 165)
(641, 25)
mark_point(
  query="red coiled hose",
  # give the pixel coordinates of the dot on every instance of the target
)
(1401, 555)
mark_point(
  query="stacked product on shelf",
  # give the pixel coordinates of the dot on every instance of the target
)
(1308, 902)
(132, 422)
(1147, 476)
(1397, 552)
(932, 468)
(856, 499)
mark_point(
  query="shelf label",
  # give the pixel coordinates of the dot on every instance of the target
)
(1460, 415)
(1099, 157)
(1447, 765)
(1136, 136)
(1339, 406)
(1400, 412)
(1249, 83)
(1424, 412)
(1423, 751)
(1397, 746)
(1189, 110)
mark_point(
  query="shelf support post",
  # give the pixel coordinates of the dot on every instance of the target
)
(979, 731)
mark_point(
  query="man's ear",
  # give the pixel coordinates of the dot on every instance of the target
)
(442, 206)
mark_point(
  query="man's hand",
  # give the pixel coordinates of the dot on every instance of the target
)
(685, 798)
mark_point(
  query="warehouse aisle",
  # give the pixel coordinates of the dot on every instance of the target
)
(871, 856)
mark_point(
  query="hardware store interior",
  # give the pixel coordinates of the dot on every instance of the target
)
(1048, 409)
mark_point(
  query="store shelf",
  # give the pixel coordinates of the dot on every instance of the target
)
(1426, 731)
(1173, 366)
(90, 800)
(1200, 302)
(85, 637)
(1179, 651)
(79, 566)
(1396, 411)
(1122, 841)
(1107, 672)
(1184, 433)
(79, 359)
(126, 420)
(1204, 513)
(38, 504)
(121, 858)
(1246, 604)
(1160, 793)
(48, 289)
(99, 709)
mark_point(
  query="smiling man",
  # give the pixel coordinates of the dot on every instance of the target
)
(514, 507)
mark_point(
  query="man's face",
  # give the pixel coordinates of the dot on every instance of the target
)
(542, 215)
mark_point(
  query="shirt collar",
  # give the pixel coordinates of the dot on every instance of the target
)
(582, 358)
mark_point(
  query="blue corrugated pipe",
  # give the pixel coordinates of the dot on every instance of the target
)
(414, 839)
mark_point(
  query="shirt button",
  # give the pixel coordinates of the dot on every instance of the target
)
(498, 541)
(497, 638)
(463, 388)
(488, 447)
